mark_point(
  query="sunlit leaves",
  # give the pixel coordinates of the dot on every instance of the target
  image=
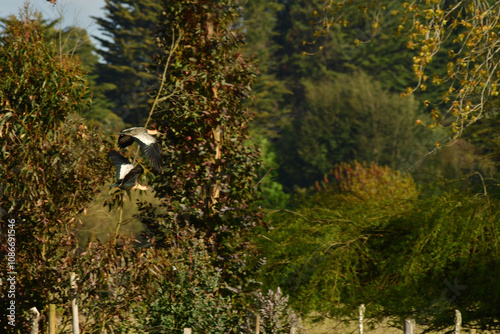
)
(53, 162)
(466, 31)
(320, 252)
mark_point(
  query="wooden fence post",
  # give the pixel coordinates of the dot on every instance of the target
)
(293, 330)
(35, 318)
(257, 324)
(361, 316)
(52, 319)
(187, 330)
(458, 322)
(74, 305)
(409, 326)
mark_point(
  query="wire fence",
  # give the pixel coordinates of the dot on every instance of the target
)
(365, 326)
(361, 326)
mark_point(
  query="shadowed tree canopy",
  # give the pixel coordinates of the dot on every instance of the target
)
(127, 49)
(347, 118)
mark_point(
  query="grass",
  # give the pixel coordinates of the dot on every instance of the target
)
(338, 327)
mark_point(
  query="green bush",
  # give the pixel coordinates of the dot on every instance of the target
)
(191, 293)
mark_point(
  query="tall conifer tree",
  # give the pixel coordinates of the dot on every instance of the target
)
(129, 27)
(259, 21)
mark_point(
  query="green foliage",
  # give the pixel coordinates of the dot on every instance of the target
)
(371, 238)
(315, 255)
(26, 82)
(461, 37)
(75, 41)
(441, 256)
(209, 166)
(343, 119)
(295, 28)
(37, 94)
(191, 293)
(320, 252)
(114, 279)
(377, 50)
(52, 161)
(272, 193)
(53, 166)
(208, 180)
(270, 93)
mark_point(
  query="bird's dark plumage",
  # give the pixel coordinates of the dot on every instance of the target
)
(125, 140)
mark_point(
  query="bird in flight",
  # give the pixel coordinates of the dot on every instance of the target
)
(148, 143)
(127, 175)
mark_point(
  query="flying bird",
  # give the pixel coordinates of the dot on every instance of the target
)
(127, 175)
(143, 137)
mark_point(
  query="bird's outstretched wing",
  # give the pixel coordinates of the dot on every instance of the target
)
(146, 141)
(122, 164)
(133, 175)
(153, 153)
(125, 140)
(117, 158)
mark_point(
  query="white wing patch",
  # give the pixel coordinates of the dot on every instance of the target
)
(124, 170)
(145, 138)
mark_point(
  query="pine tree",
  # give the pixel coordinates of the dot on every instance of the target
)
(259, 22)
(128, 47)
